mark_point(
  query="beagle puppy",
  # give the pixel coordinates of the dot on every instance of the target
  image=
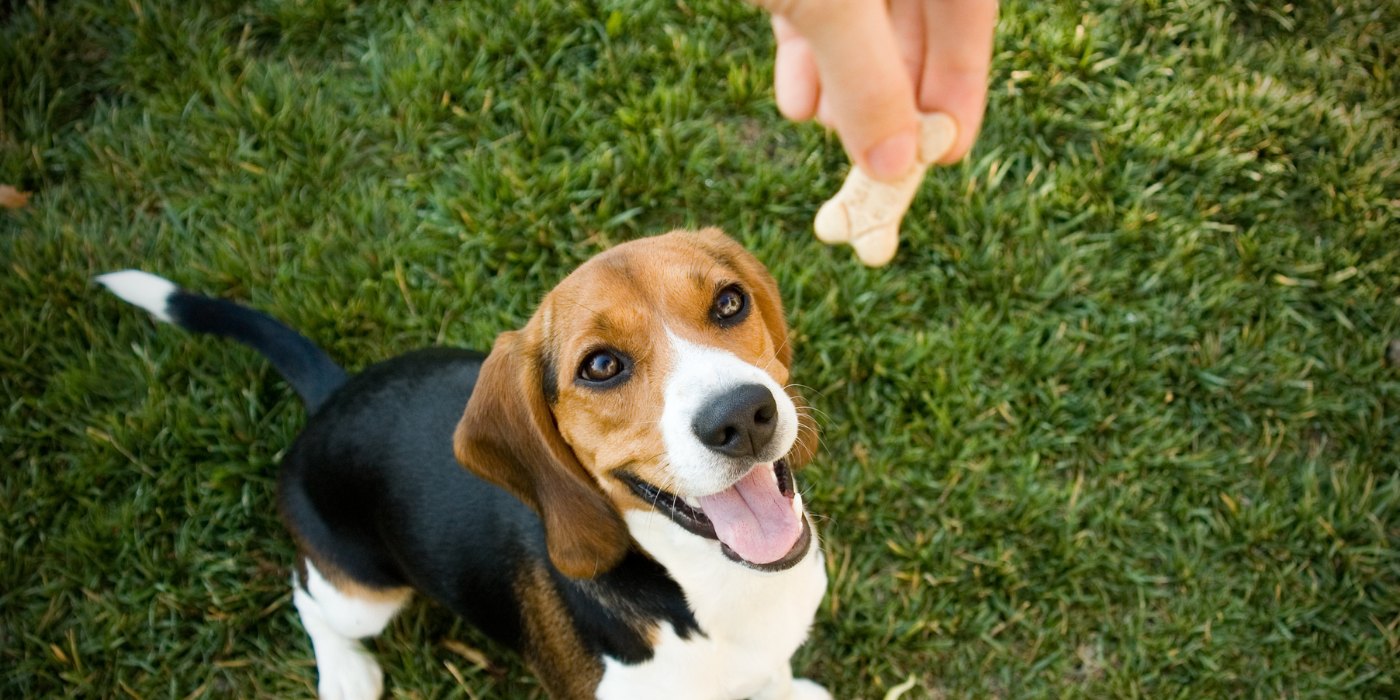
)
(627, 518)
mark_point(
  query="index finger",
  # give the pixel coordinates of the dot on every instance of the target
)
(864, 84)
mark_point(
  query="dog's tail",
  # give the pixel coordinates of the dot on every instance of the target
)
(312, 373)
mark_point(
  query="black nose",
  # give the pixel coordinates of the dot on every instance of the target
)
(738, 423)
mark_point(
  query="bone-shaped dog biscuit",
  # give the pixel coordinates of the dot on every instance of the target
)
(866, 212)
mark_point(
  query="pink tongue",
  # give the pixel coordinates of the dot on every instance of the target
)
(754, 518)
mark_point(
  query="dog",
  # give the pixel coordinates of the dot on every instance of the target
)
(627, 519)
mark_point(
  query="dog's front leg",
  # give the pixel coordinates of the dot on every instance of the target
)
(784, 687)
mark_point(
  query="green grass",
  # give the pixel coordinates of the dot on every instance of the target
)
(1117, 422)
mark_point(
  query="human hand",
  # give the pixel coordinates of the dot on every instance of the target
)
(867, 69)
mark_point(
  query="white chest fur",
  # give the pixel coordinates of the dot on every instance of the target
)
(752, 622)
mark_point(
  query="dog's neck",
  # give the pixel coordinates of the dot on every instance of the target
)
(719, 590)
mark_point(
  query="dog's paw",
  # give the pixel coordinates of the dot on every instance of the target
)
(349, 673)
(803, 689)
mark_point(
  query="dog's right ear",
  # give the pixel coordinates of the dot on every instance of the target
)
(508, 436)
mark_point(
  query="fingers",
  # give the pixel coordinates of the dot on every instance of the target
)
(839, 60)
(864, 85)
(794, 73)
(907, 20)
(957, 58)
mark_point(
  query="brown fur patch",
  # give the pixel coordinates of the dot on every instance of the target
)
(508, 436)
(344, 583)
(808, 435)
(552, 646)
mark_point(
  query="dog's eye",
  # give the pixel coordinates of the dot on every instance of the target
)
(600, 366)
(730, 304)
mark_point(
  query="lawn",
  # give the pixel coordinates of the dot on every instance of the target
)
(1118, 421)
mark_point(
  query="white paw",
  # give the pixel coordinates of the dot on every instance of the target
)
(349, 673)
(803, 689)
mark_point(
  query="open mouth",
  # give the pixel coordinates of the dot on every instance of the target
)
(755, 520)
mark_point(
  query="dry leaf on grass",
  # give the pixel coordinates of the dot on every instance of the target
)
(901, 689)
(473, 655)
(11, 198)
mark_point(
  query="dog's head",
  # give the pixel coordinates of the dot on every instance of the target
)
(653, 377)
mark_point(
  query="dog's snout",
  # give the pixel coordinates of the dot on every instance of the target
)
(739, 422)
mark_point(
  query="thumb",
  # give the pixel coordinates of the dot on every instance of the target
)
(866, 92)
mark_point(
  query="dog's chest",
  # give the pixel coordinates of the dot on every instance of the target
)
(751, 622)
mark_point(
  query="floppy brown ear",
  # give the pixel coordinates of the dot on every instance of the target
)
(769, 304)
(508, 436)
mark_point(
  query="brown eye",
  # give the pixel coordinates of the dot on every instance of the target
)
(729, 303)
(600, 366)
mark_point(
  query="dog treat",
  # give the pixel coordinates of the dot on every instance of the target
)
(866, 212)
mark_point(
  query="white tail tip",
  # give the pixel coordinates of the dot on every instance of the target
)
(143, 289)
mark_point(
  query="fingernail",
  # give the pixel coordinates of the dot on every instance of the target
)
(893, 157)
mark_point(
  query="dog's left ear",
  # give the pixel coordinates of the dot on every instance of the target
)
(769, 304)
(508, 436)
